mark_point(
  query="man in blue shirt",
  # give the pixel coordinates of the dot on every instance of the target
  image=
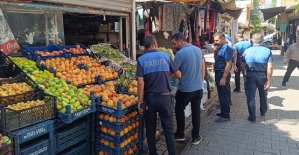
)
(153, 72)
(222, 66)
(257, 68)
(239, 47)
(190, 61)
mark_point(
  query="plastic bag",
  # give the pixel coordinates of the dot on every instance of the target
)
(205, 92)
(187, 110)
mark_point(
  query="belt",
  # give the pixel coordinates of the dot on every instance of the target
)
(255, 71)
(158, 94)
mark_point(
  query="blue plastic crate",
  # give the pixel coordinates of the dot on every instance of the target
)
(34, 131)
(117, 139)
(118, 126)
(71, 135)
(42, 147)
(116, 112)
(29, 52)
(69, 117)
(73, 46)
(81, 148)
(116, 151)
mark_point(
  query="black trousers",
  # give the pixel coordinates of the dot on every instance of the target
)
(182, 100)
(224, 94)
(162, 105)
(292, 65)
(237, 76)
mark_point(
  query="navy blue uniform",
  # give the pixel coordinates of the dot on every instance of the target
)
(225, 53)
(256, 59)
(240, 47)
(154, 67)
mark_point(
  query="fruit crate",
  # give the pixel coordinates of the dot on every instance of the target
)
(41, 146)
(30, 51)
(81, 148)
(13, 98)
(117, 126)
(69, 117)
(16, 119)
(3, 58)
(117, 150)
(8, 146)
(116, 112)
(67, 135)
(117, 139)
(74, 46)
(9, 70)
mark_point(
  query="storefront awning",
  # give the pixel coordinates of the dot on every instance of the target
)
(271, 12)
(63, 8)
(229, 7)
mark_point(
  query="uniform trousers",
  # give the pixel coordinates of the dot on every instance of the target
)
(224, 94)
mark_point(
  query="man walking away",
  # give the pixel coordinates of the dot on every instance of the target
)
(190, 61)
(239, 47)
(153, 72)
(223, 64)
(291, 56)
(257, 68)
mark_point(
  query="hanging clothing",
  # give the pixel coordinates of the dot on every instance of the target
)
(283, 18)
(189, 33)
(283, 27)
(139, 19)
(211, 20)
(167, 16)
(160, 17)
(184, 28)
(176, 17)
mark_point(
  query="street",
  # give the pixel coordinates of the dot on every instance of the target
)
(274, 134)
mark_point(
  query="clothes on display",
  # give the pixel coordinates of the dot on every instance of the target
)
(283, 27)
(167, 16)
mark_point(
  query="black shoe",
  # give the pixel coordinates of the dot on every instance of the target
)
(283, 84)
(179, 138)
(237, 90)
(222, 119)
(263, 114)
(251, 120)
(219, 114)
(209, 95)
(196, 141)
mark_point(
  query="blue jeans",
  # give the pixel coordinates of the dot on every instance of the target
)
(162, 105)
(253, 82)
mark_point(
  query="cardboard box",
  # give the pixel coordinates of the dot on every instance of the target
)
(103, 28)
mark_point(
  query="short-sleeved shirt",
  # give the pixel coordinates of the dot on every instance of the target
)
(154, 67)
(227, 36)
(189, 60)
(240, 47)
(225, 53)
(257, 59)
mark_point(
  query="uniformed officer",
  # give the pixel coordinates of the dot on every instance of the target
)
(257, 67)
(239, 47)
(223, 64)
(153, 71)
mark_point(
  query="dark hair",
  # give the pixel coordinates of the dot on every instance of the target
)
(178, 36)
(148, 41)
(219, 34)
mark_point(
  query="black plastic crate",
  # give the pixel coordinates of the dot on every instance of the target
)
(9, 70)
(16, 119)
(14, 98)
(67, 135)
(81, 148)
(8, 146)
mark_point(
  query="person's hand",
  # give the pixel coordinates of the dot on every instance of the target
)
(222, 81)
(140, 110)
(285, 62)
(235, 68)
(244, 78)
(267, 85)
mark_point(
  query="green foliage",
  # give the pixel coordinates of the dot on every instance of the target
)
(273, 19)
(255, 19)
(297, 5)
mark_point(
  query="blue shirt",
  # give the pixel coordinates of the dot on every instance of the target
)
(154, 67)
(240, 47)
(257, 59)
(225, 53)
(228, 37)
(189, 60)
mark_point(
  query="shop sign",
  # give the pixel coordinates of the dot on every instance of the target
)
(288, 2)
(8, 43)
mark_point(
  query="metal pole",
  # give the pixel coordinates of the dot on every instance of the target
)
(133, 29)
(120, 25)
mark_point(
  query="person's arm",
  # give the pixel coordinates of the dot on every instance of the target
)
(235, 61)
(287, 55)
(228, 57)
(203, 69)
(269, 71)
(140, 88)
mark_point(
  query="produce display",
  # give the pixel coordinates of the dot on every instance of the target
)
(113, 119)
(122, 132)
(108, 52)
(76, 50)
(25, 64)
(69, 70)
(131, 151)
(25, 105)
(8, 89)
(45, 53)
(123, 144)
(169, 51)
(5, 141)
(133, 87)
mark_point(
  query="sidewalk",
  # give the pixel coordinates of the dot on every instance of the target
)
(275, 134)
